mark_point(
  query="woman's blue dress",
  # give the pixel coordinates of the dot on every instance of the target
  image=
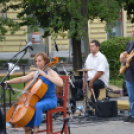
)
(48, 101)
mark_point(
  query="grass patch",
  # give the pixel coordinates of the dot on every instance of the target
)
(118, 82)
(13, 97)
(17, 86)
(14, 86)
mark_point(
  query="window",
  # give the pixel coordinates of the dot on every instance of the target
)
(117, 30)
(4, 15)
(36, 38)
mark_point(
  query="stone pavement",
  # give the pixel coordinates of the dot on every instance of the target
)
(89, 127)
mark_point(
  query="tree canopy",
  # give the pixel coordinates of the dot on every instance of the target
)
(56, 16)
(60, 15)
(128, 6)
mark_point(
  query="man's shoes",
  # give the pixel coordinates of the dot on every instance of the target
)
(128, 119)
(91, 112)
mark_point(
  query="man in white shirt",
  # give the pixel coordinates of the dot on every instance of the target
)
(98, 77)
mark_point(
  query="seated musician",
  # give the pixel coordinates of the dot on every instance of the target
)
(98, 77)
(49, 100)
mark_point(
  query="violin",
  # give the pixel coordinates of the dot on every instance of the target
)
(126, 63)
(22, 111)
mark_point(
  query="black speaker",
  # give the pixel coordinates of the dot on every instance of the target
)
(106, 108)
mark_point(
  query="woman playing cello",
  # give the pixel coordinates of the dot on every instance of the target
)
(49, 100)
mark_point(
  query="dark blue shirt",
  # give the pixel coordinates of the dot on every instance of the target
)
(129, 73)
(50, 93)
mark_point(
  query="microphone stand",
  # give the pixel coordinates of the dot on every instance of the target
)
(3, 85)
(86, 114)
(70, 81)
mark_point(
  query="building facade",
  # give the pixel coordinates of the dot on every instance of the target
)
(16, 42)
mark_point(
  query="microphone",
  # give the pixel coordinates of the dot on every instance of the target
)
(26, 41)
(29, 45)
(56, 47)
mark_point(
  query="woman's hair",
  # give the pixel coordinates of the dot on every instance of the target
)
(44, 56)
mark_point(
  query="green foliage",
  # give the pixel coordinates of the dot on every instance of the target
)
(14, 26)
(128, 5)
(118, 82)
(62, 59)
(22, 61)
(112, 49)
(62, 15)
(106, 10)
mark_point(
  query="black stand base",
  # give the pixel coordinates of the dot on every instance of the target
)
(66, 120)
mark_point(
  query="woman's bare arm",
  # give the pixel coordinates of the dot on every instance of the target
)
(22, 79)
(53, 77)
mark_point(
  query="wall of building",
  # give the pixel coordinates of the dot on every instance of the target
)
(14, 43)
(97, 31)
(63, 43)
(128, 28)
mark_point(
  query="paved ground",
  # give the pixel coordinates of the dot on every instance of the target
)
(89, 127)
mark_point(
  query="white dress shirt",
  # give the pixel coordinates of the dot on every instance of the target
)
(98, 63)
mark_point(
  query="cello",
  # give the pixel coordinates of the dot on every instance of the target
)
(22, 111)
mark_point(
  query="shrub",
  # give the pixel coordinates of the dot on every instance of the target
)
(62, 59)
(22, 61)
(112, 49)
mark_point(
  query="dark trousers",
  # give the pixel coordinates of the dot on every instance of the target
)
(77, 91)
(1, 121)
(97, 85)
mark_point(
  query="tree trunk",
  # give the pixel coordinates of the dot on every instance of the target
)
(85, 27)
(77, 56)
(77, 59)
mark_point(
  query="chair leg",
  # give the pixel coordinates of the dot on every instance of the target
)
(47, 124)
(51, 123)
